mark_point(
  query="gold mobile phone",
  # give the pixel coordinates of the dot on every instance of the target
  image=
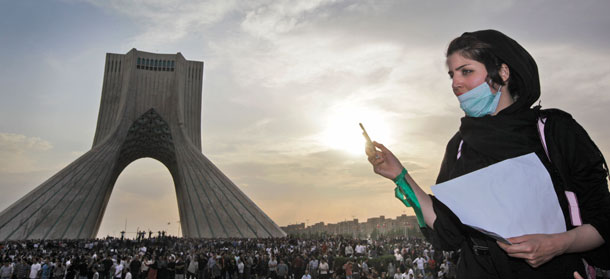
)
(366, 135)
(370, 149)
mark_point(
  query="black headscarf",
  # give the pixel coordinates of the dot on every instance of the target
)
(521, 64)
(510, 133)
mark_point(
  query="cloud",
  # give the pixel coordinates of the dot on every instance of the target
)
(19, 152)
(325, 183)
(275, 18)
(165, 21)
(20, 143)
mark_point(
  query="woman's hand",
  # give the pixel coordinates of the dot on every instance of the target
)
(387, 165)
(536, 249)
(383, 161)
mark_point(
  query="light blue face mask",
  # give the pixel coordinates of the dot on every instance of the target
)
(480, 101)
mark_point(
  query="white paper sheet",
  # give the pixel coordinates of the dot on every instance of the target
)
(511, 198)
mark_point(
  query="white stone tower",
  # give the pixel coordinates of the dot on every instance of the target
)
(150, 107)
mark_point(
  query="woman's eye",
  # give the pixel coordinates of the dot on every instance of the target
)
(465, 72)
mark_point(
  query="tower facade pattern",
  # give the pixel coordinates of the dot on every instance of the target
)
(150, 107)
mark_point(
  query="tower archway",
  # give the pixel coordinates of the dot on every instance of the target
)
(143, 199)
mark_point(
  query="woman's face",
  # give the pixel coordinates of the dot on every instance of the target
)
(465, 73)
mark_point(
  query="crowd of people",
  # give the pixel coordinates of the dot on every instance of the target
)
(181, 258)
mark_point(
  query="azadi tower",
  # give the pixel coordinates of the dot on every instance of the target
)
(150, 107)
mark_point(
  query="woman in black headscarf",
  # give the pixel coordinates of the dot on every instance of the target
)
(496, 81)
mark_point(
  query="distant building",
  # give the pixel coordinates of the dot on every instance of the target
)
(402, 223)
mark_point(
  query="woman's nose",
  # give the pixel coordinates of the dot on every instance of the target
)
(456, 83)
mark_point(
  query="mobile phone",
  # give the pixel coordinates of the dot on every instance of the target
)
(366, 135)
(369, 147)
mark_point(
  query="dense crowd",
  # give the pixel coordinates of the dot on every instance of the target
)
(180, 258)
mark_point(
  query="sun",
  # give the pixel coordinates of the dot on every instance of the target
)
(342, 131)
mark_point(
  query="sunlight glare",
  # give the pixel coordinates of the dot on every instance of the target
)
(342, 131)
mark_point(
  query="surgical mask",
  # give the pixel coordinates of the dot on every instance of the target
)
(480, 101)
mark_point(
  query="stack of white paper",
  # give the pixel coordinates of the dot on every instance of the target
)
(511, 198)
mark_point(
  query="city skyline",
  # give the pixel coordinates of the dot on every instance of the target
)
(285, 86)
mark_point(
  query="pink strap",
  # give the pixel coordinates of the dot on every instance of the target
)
(574, 210)
(541, 122)
(460, 149)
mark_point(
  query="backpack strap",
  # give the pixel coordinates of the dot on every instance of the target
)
(571, 197)
(541, 122)
(459, 153)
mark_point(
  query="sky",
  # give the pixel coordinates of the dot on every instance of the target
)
(285, 85)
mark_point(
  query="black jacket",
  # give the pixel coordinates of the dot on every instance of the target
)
(576, 165)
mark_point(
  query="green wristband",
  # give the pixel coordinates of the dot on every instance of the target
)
(405, 194)
(401, 176)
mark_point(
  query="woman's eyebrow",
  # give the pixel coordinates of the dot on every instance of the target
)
(458, 68)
